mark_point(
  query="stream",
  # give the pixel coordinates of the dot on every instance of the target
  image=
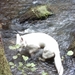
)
(60, 26)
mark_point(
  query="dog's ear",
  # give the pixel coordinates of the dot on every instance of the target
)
(21, 39)
(18, 39)
(17, 36)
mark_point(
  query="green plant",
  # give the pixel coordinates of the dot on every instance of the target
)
(23, 66)
(44, 73)
(14, 47)
(70, 53)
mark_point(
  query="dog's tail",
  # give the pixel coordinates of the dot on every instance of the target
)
(58, 63)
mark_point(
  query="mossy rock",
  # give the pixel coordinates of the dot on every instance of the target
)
(37, 12)
(4, 66)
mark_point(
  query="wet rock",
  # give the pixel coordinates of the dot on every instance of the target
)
(4, 25)
(37, 12)
(72, 44)
(0, 26)
(72, 47)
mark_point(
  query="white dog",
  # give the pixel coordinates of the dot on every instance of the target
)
(41, 40)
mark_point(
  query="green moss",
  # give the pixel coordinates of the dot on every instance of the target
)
(41, 11)
(4, 66)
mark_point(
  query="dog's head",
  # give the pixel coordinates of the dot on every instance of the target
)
(20, 40)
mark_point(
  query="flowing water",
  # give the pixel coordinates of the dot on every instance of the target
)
(60, 26)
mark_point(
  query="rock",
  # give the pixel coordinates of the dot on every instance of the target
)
(0, 26)
(72, 47)
(37, 12)
(72, 43)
